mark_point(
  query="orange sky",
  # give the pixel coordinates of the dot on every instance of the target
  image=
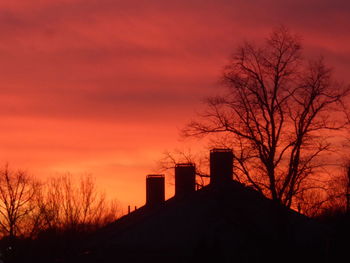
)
(102, 86)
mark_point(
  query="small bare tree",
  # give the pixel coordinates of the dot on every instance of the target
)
(70, 205)
(277, 111)
(17, 202)
(339, 192)
(347, 188)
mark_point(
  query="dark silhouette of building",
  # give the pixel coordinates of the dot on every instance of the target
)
(185, 179)
(222, 222)
(155, 190)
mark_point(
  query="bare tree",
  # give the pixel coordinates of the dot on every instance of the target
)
(347, 188)
(70, 205)
(339, 192)
(277, 110)
(17, 195)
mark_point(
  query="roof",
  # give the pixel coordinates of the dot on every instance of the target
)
(226, 222)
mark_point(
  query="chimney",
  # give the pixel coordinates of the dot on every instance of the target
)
(155, 193)
(221, 165)
(185, 178)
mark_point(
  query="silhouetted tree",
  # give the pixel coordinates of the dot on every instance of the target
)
(72, 206)
(339, 193)
(346, 188)
(277, 111)
(47, 222)
(18, 191)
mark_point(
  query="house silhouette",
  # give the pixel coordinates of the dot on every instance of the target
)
(224, 221)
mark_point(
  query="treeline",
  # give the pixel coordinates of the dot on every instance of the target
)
(48, 220)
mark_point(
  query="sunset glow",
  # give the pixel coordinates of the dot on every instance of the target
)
(103, 87)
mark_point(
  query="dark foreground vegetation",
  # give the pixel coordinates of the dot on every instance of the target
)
(44, 222)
